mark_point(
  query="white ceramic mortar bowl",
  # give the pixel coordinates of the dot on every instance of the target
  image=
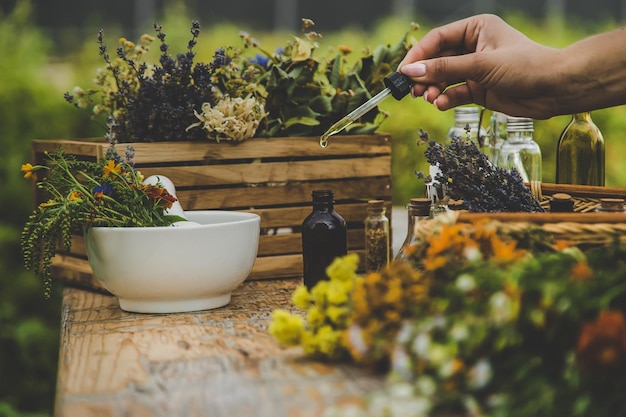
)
(175, 269)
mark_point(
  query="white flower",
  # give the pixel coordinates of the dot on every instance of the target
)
(421, 343)
(480, 374)
(231, 118)
(472, 253)
(465, 282)
(459, 332)
(426, 386)
(501, 308)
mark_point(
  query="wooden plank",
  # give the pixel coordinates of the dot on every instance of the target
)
(299, 193)
(272, 172)
(291, 147)
(291, 243)
(218, 363)
(585, 191)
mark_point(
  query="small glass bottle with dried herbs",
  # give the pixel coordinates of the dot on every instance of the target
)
(376, 236)
(418, 210)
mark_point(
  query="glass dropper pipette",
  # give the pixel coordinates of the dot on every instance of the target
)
(398, 85)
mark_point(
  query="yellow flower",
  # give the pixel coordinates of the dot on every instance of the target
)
(75, 196)
(344, 268)
(286, 327)
(336, 293)
(111, 168)
(301, 297)
(319, 293)
(315, 317)
(338, 315)
(29, 171)
(48, 203)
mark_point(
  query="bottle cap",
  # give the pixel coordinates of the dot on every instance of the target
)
(561, 203)
(467, 114)
(323, 195)
(519, 124)
(399, 84)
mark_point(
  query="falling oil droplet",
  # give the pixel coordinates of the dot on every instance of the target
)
(334, 129)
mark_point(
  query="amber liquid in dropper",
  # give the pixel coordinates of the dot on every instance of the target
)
(354, 115)
(334, 129)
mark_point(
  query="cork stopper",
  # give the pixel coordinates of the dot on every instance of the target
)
(419, 206)
(611, 204)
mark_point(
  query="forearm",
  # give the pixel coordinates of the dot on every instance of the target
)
(591, 73)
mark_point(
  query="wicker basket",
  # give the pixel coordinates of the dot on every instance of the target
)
(584, 227)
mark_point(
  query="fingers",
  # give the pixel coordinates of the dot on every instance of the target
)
(437, 42)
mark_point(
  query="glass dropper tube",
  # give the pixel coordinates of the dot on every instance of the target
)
(353, 116)
(398, 85)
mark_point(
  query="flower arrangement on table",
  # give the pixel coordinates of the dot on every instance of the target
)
(110, 193)
(476, 324)
(290, 92)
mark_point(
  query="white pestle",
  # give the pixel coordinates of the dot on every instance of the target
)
(176, 209)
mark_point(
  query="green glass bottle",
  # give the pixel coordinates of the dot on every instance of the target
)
(580, 153)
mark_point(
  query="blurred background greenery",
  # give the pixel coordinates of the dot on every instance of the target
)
(44, 56)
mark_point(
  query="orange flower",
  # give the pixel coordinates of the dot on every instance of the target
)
(505, 251)
(581, 271)
(111, 168)
(602, 344)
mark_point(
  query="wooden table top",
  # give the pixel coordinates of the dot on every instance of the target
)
(220, 362)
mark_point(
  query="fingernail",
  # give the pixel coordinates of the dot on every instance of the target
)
(416, 69)
(426, 96)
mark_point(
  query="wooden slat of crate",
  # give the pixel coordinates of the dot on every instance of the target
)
(198, 152)
(271, 177)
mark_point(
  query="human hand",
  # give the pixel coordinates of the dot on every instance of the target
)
(485, 61)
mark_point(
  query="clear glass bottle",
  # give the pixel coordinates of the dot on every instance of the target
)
(437, 193)
(324, 237)
(464, 117)
(580, 153)
(520, 151)
(497, 135)
(418, 210)
(376, 236)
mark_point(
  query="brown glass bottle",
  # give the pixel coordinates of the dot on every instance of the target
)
(324, 237)
(580, 153)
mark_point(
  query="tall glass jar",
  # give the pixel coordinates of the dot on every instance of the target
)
(580, 153)
(376, 236)
(324, 237)
(418, 210)
(520, 151)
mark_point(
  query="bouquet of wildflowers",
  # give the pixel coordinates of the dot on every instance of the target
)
(109, 192)
(289, 92)
(483, 325)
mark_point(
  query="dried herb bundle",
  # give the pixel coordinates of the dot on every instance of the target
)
(469, 176)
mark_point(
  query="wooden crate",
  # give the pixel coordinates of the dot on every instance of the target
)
(272, 177)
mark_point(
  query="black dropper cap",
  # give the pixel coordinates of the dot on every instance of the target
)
(399, 84)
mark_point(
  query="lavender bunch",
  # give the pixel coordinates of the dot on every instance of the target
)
(469, 176)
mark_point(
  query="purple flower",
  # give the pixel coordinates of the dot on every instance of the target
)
(102, 190)
(260, 59)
